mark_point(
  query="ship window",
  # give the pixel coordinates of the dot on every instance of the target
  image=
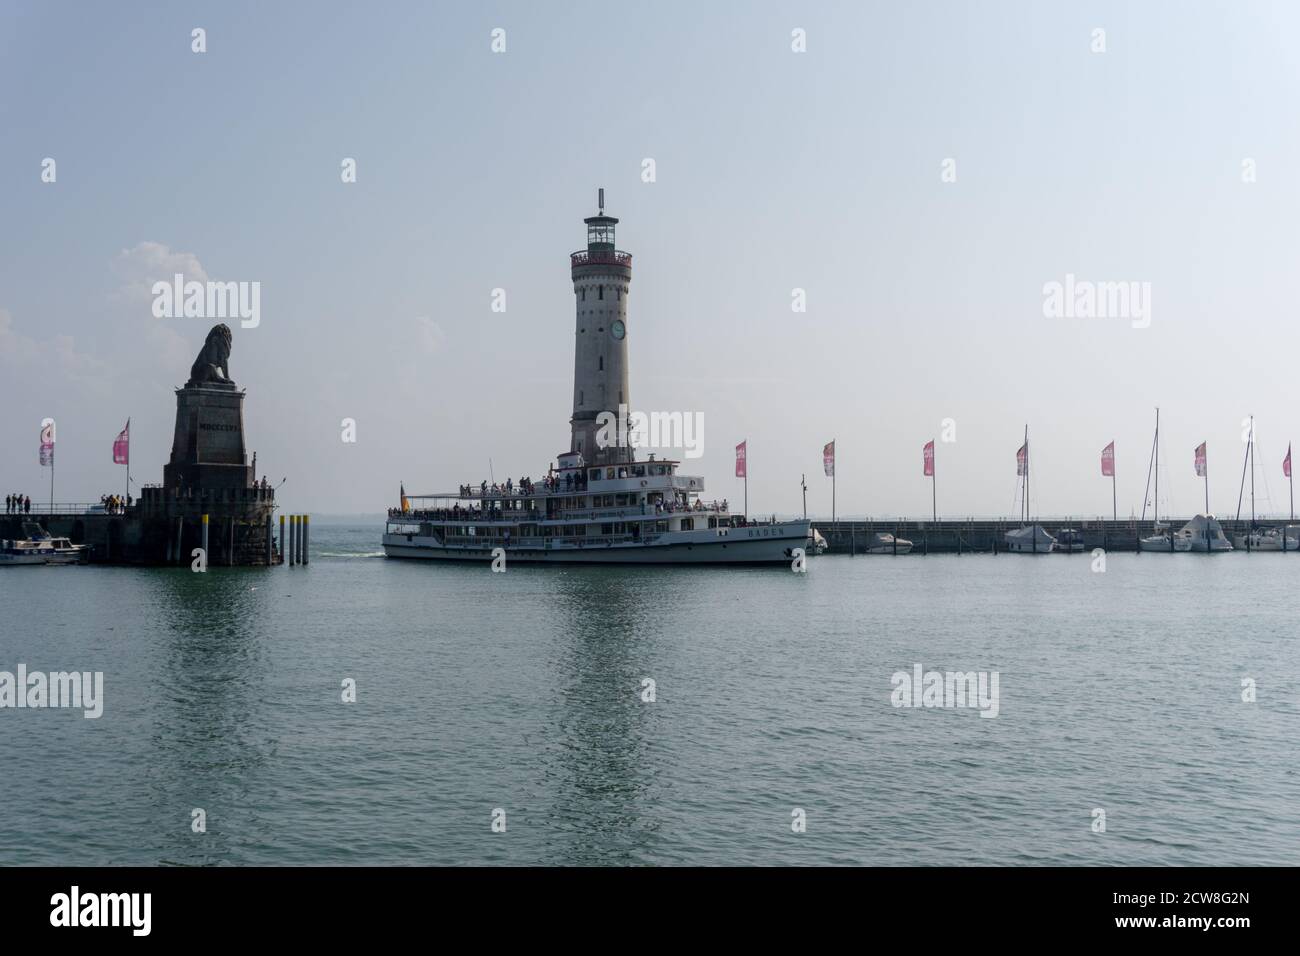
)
(607, 529)
(688, 524)
(595, 474)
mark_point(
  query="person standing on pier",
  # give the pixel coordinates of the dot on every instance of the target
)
(27, 504)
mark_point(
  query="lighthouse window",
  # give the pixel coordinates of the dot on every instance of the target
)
(584, 295)
(581, 399)
(602, 363)
(600, 292)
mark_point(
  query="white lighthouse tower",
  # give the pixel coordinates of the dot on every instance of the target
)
(601, 275)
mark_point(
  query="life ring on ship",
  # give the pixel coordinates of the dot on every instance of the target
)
(642, 482)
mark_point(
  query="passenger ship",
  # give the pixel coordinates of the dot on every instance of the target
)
(632, 513)
(598, 504)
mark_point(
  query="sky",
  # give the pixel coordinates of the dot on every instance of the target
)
(920, 171)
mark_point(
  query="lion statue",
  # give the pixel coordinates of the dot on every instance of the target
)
(213, 363)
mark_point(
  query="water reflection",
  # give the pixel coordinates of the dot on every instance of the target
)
(607, 768)
(209, 730)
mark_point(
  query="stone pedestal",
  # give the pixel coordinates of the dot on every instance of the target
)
(208, 452)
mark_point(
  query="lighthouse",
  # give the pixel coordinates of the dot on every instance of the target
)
(601, 275)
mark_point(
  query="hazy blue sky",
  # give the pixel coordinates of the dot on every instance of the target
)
(775, 170)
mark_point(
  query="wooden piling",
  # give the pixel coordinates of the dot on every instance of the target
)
(306, 537)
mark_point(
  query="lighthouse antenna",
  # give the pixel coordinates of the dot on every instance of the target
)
(601, 201)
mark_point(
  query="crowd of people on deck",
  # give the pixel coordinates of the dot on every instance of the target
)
(116, 504)
(18, 504)
(525, 486)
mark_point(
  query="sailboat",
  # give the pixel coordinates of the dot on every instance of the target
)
(1257, 538)
(1030, 539)
(1162, 539)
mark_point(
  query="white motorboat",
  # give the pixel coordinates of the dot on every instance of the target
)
(1031, 539)
(884, 543)
(816, 543)
(1204, 534)
(40, 548)
(1164, 540)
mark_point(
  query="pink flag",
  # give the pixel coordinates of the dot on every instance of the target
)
(1200, 460)
(122, 446)
(1022, 459)
(828, 459)
(1286, 462)
(927, 454)
(740, 459)
(47, 444)
(1108, 461)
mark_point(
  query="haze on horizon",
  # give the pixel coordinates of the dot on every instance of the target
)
(774, 171)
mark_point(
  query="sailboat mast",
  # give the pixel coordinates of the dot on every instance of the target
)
(1026, 472)
(1156, 506)
(1252, 472)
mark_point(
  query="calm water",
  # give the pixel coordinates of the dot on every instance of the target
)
(1119, 690)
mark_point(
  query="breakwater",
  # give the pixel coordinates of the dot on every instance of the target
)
(986, 535)
(233, 526)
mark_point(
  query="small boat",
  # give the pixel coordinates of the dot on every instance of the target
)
(1028, 538)
(884, 543)
(1163, 540)
(1204, 534)
(1031, 539)
(1267, 539)
(39, 548)
(1257, 538)
(816, 543)
(1070, 541)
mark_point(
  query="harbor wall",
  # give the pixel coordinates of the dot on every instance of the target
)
(165, 529)
(985, 536)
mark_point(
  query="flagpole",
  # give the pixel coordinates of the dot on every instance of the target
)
(934, 481)
(1114, 495)
(833, 471)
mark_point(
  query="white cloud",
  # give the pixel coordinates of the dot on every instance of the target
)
(149, 262)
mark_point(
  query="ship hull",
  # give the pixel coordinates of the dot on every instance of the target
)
(770, 545)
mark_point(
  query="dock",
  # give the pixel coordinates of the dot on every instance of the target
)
(985, 535)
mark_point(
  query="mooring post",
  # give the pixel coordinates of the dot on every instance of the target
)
(283, 542)
(270, 549)
(204, 545)
(230, 552)
(293, 540)
(180, 531)
(306, 536)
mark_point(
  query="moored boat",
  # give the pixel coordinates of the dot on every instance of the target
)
(882, 542)
(40, 548)
(1069, 541)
